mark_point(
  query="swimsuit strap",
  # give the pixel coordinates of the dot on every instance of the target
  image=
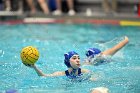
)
(79, 71)
(67, 72)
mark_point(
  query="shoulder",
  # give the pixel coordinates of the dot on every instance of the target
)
(85, 70)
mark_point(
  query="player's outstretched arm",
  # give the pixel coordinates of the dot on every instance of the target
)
(40, 73)
(117, 47)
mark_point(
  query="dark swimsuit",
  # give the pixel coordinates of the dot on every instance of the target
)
(73, 76)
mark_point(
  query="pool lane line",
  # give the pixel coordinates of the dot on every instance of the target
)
(129, 23)
(75, 21)
(96, 21)
(81, 21)
(12, 22)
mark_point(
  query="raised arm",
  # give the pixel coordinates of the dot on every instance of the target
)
(116, 48)
(40, 73)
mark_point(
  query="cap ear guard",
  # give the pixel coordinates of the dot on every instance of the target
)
(66, 60)
(89, 53)
(66, 56)
(67, 63)
(92, 52)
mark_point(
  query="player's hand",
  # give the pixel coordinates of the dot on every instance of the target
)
(29, 65)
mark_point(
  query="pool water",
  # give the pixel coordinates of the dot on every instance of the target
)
(53, 40)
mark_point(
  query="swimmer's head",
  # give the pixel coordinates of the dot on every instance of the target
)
(91, 52)
(68, 56)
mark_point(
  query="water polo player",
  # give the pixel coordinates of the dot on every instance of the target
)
(72, 61)
(96, 57)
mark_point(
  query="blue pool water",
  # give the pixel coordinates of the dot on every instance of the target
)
(53, 40)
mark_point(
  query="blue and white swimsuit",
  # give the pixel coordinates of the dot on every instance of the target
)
(73, 76)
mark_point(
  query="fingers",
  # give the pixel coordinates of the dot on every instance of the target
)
(28, 65)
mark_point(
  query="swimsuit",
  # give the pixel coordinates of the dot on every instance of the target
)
(73, 76)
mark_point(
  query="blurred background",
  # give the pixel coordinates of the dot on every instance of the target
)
(90, 8)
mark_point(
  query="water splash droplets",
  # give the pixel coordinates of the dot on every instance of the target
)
(1, 53)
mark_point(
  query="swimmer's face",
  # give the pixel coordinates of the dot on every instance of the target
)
(75, 61)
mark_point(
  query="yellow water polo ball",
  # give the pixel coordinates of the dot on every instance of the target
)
(29, 55)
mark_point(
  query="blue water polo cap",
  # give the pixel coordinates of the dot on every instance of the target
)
(68, 56)
(92, 52)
